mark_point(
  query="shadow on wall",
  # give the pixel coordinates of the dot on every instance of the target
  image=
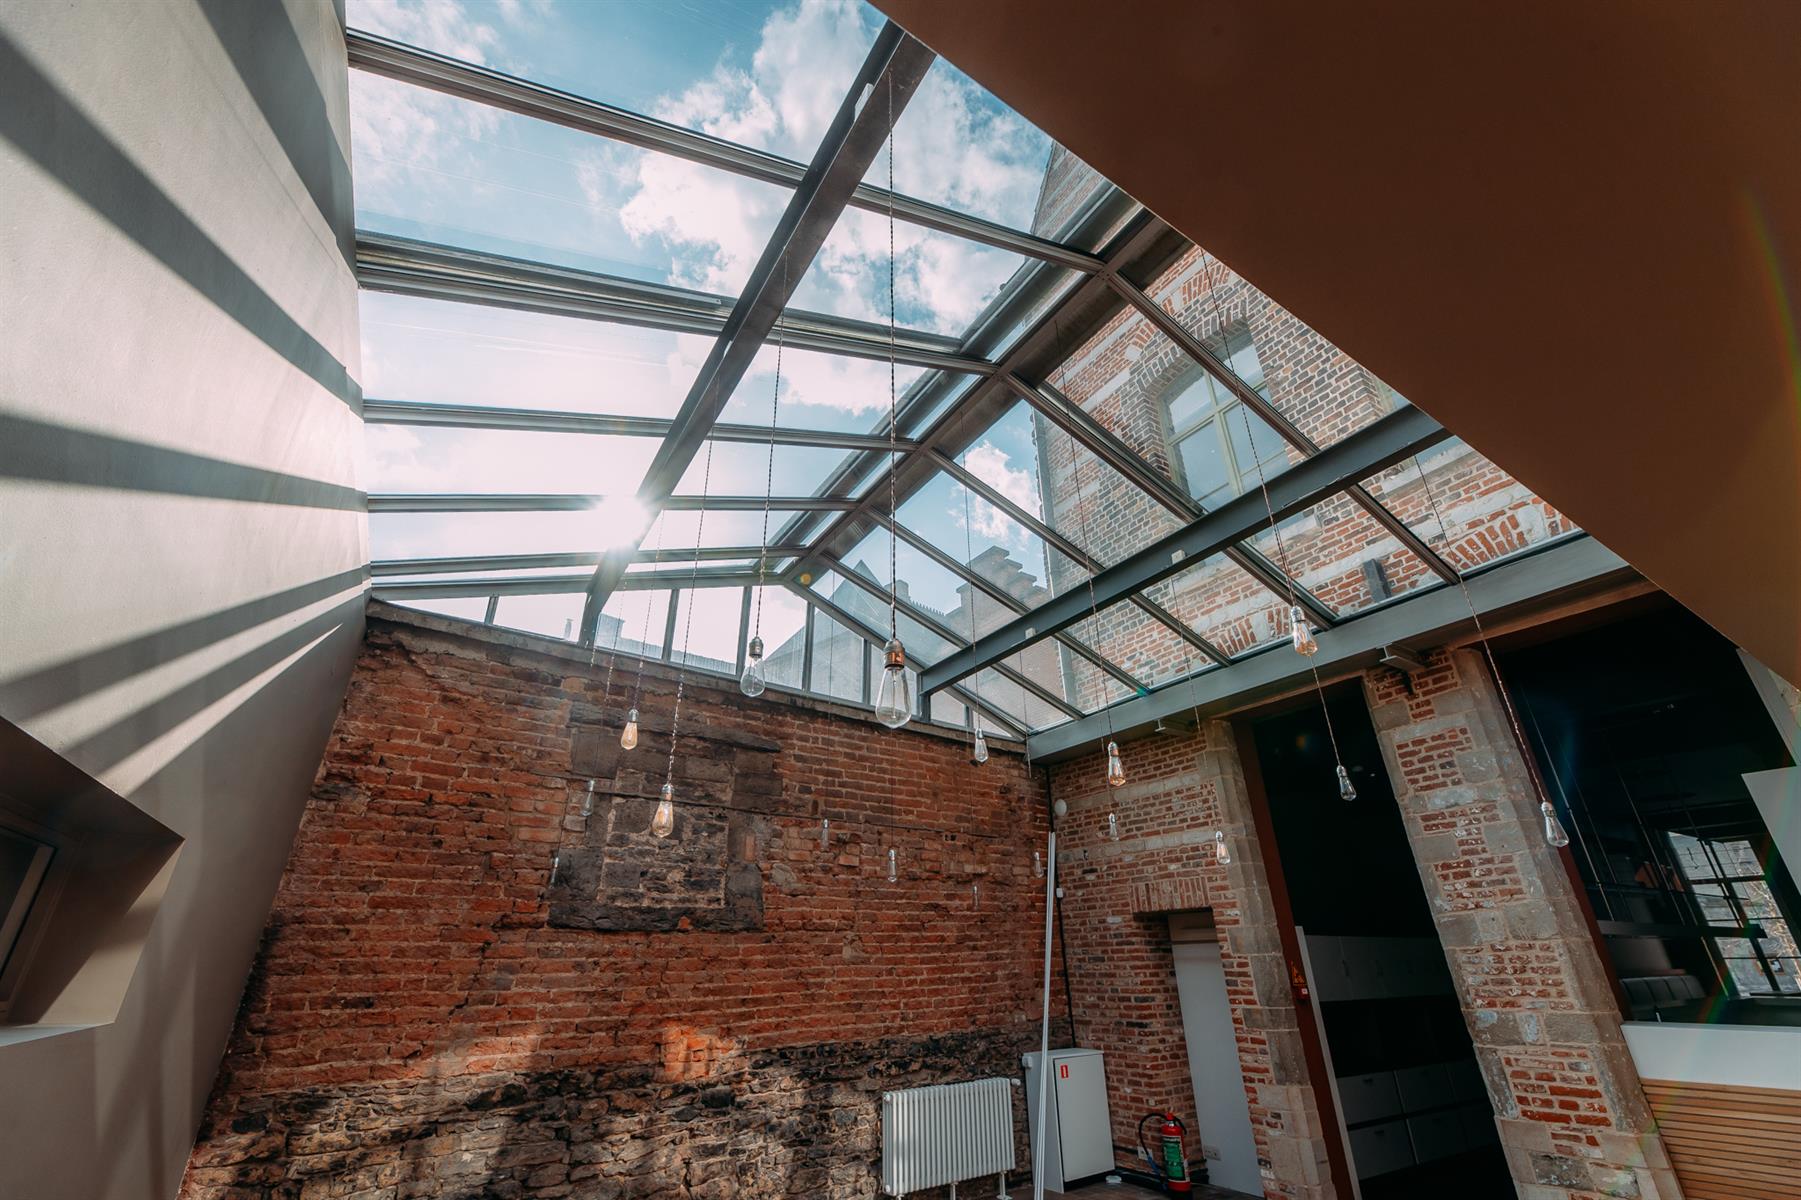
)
(55, 133)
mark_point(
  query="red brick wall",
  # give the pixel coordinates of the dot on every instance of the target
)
(1180, 789)
(416, 1025)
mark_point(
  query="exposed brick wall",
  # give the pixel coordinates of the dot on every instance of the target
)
(1542, 1015)
(1180, 789)
(418, 1026)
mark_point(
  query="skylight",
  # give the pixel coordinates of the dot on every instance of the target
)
(559, 206)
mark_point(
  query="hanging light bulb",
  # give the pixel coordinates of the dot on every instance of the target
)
(1113, 827)
(628, 737)
(893, 867)
(825, 833)
(1116, 774)
(1037, 864)
(975, 897)
(588, 801)
(1304, 643)
(978, 749)
(1060, 806)
(752, 682)
(1221, 854)
(1346, 791)
(663, 823)
(893, 702)
(1554, 834)
(556, 860)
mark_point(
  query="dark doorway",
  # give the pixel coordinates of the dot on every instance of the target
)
(1417, 1118)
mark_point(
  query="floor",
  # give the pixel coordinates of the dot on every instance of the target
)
(1131, 1191)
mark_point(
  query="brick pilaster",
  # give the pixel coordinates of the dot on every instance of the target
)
(1572, 1114)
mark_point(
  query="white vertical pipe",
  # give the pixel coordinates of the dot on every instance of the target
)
(1044, 1029)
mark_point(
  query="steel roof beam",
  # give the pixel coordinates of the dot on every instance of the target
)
(876, 639)
(1535, 580)
(537, 420)
(890, 74)
(569, 502)
(422, 68)
(1357, 456)
(539, 562)
(556, 585)
(406, 267)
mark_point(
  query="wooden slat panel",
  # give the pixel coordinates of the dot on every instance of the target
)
(1729, 1143)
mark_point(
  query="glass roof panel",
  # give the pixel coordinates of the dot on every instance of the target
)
(1321, 389)
(443, 169)
(556, 616)
(439, 535)
(1225, 604)
(1341, 554)
(633, 623)
(839, 660)
(993, 545)
(428, 458)
(831, 392)
(743, 469)
(1041, 664)
(463, 608)
(1087, 501)
(757, 72)
(958, 146)
(1487, 514)
(706, 628)
(1138, 643)
(675, 532)
(942, 282)
(441, 352)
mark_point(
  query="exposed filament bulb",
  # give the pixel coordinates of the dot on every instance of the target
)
(978, 749)
(1116, 772)
(1301, 632)
(893, 866)
(663, 823)
(753, 681)
(1037, 864)
(1221, 854)
(628, 737)
(1554, 831)
(1346, 791)
(1113, 827)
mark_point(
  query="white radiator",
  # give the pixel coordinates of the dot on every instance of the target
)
(946, 1133)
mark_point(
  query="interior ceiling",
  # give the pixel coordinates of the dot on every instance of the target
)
(1568, 232)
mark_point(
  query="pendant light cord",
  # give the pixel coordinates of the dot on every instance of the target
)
(775, 408)
(975, 683)
(1494, 667)
(1275, 527)
(644, 634)
(681, 674)
(893, 402)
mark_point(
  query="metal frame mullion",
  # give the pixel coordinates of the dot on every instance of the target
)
(535, 420)
(483, 85)
(875, 639)
(557, 585)
(894, 65)
(406, 267)
(1070, 550)
(1355, 457)
(1251, 398)
(575, 502)
(1106, 446)
(1000, 595)
(587, 558)
(946, 633)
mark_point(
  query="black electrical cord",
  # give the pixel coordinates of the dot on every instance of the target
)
(1069, 992)
(1156, 1167)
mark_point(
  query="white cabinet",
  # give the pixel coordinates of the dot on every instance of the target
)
(1078, 1130)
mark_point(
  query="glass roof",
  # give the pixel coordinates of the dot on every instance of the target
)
(542, 292)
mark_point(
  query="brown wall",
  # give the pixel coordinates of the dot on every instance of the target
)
(719, 1011)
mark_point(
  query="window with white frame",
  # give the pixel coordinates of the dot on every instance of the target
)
(1217, 446)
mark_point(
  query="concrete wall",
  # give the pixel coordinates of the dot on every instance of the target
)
(181, 536)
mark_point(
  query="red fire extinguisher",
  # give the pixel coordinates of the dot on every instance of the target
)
(1170, 1163)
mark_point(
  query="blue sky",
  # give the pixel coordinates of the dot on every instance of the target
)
(769, 75)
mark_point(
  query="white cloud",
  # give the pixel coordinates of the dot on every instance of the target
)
(445, 26)
(992, 466)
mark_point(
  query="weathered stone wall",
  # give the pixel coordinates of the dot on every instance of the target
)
(711, 1015)
(1541, 1012)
